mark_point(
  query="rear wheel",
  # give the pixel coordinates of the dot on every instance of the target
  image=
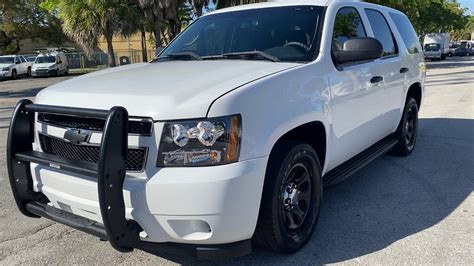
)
(291, 198)
(407, 130)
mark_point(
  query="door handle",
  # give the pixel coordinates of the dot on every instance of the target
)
(376, 79)
(404, 70)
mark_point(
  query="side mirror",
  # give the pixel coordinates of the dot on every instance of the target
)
(59, 62)
(359, 49)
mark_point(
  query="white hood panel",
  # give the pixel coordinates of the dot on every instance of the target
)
(164, 90)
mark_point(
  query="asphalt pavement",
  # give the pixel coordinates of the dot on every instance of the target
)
(413, 210)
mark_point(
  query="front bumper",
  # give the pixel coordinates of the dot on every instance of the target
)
(42, 72)
(205, 211)
(4, 74)
(432, 56)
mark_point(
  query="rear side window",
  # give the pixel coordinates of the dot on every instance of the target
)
(382, 32)
(348, 25)
(407, 32)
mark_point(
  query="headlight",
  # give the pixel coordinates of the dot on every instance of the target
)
(6, 69)
(210, 141)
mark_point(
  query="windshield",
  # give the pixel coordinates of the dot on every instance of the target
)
(7, 60)
(45, 59)
(285, 33)
(31, 58)
(432, 47)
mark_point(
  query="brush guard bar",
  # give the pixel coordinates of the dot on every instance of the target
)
(123, 234)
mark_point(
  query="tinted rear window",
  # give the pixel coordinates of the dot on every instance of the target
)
(407, 32)
(382, 32)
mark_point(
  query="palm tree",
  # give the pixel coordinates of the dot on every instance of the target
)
(165, 17)
(199, 4)
(153, 12)
(86, 21)
(227, 3)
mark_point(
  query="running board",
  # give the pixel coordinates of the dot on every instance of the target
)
(357, 162)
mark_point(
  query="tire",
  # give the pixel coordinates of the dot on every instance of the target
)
(293, 172)
(67, 71)
(56, 73)
(407, 130)
(443, 57)
(28, 72)
(14, 75)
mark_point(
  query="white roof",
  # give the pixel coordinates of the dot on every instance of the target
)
(279, 3)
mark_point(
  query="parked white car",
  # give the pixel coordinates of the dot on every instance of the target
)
(11, 66)
(228, 137)
(50, 64)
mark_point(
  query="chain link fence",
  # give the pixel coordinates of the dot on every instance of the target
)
(99, 60)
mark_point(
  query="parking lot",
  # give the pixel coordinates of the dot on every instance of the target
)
(413, 210)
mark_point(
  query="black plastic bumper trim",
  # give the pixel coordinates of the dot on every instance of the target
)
(66, 218)
(207, 252)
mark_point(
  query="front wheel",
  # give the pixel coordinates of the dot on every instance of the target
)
(14, 75)
(291, 198)
(28, 72)
(407, 130)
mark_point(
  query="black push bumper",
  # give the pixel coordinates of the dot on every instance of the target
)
(122, 234)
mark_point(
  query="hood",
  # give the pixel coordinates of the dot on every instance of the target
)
(162, 90)
(43, 65)
(5, 65)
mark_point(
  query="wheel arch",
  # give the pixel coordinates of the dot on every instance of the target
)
(416, 91)
(312, 133)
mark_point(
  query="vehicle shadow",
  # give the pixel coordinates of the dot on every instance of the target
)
(21, 93)
(390, 199)
(452, 62)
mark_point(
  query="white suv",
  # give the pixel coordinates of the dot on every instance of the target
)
(228, 137)
(11, 66)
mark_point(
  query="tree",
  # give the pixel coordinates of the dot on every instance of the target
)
(86, 21)
(24, 19)
(429, 16)
(198, 5)
(167, 16)
(228, 3)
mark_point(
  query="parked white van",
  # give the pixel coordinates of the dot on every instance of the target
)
(50, 64)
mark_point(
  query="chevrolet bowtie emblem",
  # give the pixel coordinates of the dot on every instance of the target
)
(77, 136)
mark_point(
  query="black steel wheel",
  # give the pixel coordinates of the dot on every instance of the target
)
(291, 198)
(407, 130)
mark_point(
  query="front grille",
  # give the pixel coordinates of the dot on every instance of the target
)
(94, 124)
(136, 157)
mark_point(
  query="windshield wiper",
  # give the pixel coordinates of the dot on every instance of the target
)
(248, 54)
(180, 55)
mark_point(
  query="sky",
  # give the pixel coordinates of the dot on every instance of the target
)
(469, 4)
